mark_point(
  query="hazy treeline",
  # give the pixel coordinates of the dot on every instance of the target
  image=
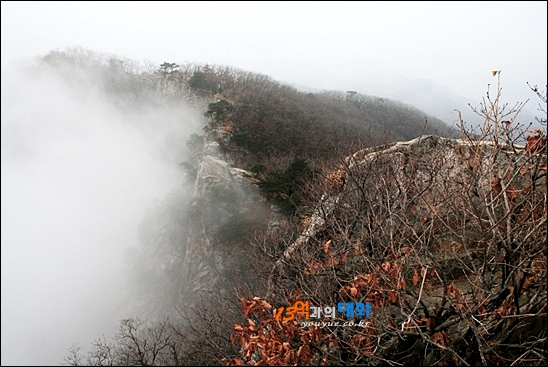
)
(269, 118)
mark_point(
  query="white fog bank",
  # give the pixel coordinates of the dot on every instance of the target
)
(77, 175)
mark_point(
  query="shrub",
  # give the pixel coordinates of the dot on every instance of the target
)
(283, 187)
(233, 229)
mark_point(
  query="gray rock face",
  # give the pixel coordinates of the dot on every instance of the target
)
(212, 172)
(193, 240)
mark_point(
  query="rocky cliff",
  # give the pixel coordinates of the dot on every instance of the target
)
(190, 240)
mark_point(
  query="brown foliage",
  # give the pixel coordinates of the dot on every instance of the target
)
(267, 341)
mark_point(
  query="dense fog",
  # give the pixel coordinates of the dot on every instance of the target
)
(79, 167)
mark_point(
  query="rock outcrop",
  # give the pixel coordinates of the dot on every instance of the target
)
(191, 240)
(420, 174)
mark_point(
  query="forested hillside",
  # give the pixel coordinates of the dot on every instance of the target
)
(330, 228)
(268, 118)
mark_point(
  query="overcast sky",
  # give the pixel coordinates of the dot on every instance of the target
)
(77, 175)
(324, 45)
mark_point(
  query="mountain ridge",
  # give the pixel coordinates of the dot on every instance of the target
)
(299, 197)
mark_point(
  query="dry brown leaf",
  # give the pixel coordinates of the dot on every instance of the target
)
(357, 251)
(238, 327)
(395, 271)
(368, 347)
(440, 337)
(415, 278)
(512, 192)
(535, 143)
(344, 257)
(326, 246)
(495, 184)
(331, 261)
(266, 305)
(246, 307)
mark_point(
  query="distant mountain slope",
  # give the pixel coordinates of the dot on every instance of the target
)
(273, 121)
(268, 118)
